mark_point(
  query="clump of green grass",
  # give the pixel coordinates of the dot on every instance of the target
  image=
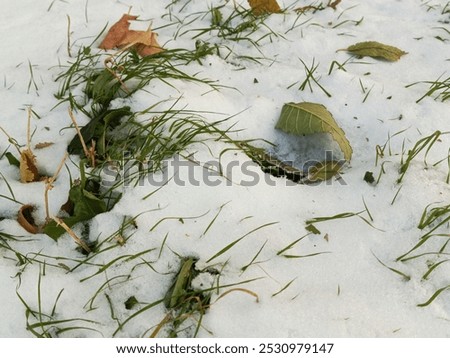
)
(426, 144)
(439, 89)
(432, 218)
(117, 137)
(183, 300)
(222, 26)
(188, 304)
(103, 78)
(185, 303)
(239, 24)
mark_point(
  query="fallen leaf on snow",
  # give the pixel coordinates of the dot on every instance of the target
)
(120, 36)
(308, 118)
(377, 50)
(28, 169)
(43, 145)
(26, 219)
(260, 7)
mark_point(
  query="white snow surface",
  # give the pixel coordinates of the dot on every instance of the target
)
(345, 290)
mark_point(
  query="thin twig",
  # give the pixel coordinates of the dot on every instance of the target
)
(71, 233)
(29, 129)
(161, 324)
(110, 70)
(49, 186)
(87, 152)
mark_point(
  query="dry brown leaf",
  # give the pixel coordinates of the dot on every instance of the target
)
(120, 36)
(260, 7)
(43, 145)
(28, 169)
(26, 220)
(117, 32)
(144, 42)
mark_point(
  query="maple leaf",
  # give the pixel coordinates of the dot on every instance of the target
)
(120, 36)
(260, 7)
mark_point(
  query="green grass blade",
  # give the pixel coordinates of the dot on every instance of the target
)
(229, 246)
(434, 296)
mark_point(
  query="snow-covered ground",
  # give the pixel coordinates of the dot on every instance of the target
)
(349, 289)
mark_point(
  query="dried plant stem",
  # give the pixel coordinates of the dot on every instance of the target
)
(238, 289)
(11, 140)
(88, 153)
(161, 324)
(49, 186)
(29, 129)
(333, 4)
(110, 70)
(71, 233)
(303, 9)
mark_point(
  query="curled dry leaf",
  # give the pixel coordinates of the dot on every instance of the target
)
(120, 36)
(261, 7)
(117, 32)
(307, 118)
(26, 220)
(28, 169)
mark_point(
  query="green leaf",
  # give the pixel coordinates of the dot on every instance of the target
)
(369, 178)
(313, 229)
(308, 118)
(178, 290)
(325, 170)
(86, 206)
(131, 302)
(12, 159)
(376, 50)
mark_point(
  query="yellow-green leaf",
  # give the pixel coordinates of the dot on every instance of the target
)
(308, 118)
(377, 50)
(325, 170)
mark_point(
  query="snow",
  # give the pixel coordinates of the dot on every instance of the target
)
(344, 291)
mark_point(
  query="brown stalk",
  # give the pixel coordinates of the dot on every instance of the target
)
(29, 129)
(238, 289)
(333, 4)
(89, 153)
(80, 242)
(49, 186)
(161, 324)
(110, 60)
